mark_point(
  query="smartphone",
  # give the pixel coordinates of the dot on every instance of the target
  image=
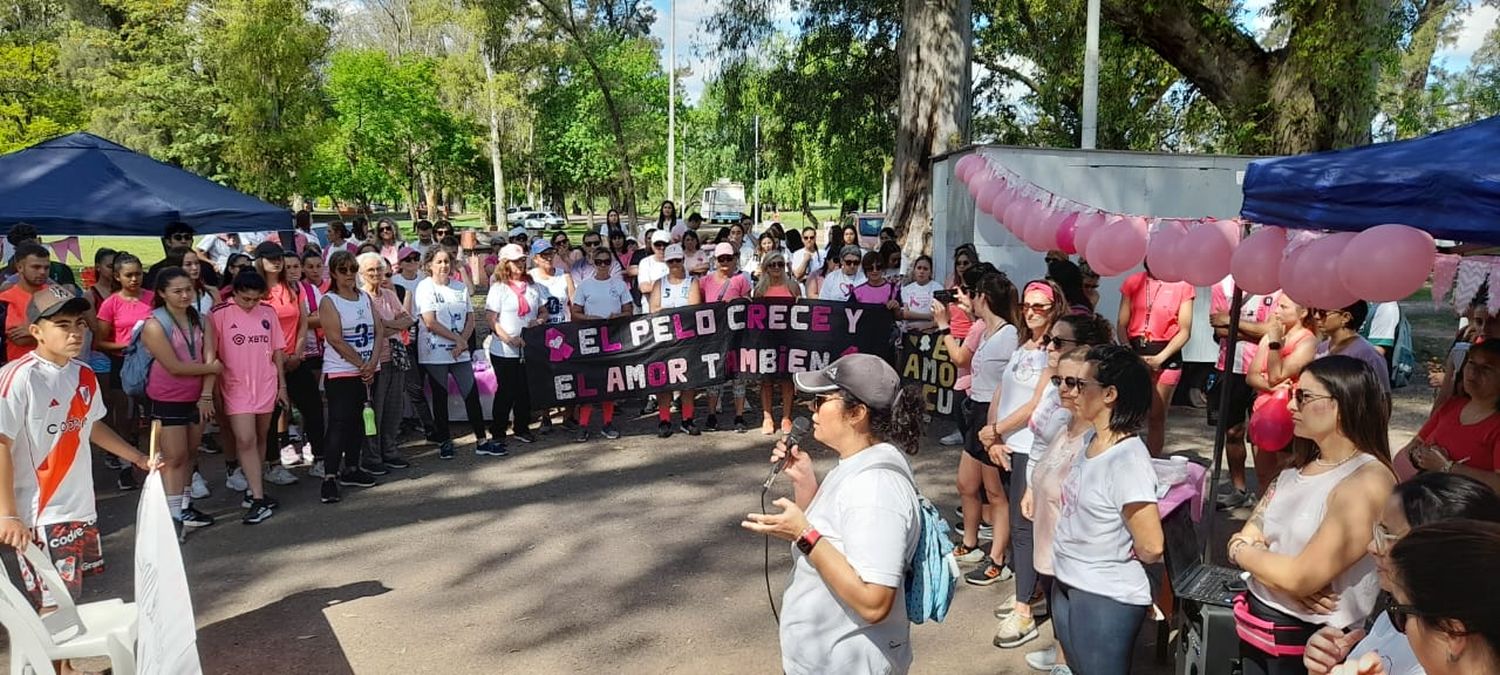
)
(943, 295)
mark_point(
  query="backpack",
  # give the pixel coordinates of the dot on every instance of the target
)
(138, 359)
(932, 572)
(1404, 360)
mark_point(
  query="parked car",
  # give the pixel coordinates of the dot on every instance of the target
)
(515, 214)
(541, 220)
(869, 225)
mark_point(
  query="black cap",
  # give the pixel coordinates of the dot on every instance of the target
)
(54, 300)
(865, 376)
(268, 249)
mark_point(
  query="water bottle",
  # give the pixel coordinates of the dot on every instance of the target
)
(369, 415)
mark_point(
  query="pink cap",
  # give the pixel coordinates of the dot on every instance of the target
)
(723, 248)
(404, 252)
(512, 252)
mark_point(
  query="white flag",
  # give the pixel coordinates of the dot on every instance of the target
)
(168, 638)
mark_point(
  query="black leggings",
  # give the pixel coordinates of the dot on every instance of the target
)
(512, 395)
(302, 388)
(346, 433)
(1022, 547)
(437, 380)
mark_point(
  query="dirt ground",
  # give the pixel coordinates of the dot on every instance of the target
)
(612, 555)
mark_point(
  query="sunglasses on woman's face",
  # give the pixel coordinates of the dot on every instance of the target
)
(725, 258)
(602, 261)
(1304, 397)
(1400, 614)
(345, 269)
(590, 243)
(1061, 342)
(1070, 383)
(851, 261)
(776, 266)
(1038, 307)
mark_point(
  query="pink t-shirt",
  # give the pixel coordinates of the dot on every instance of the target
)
(714, 290)
(164, 386)
(246, 344)
(289, 310)
(1153, 306)
(125, 314)
(1253, 308)
(876, 295)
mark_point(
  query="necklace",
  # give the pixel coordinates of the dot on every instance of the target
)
(1319, 461)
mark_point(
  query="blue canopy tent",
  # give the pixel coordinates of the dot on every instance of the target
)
(84, 184)
(1447, 184)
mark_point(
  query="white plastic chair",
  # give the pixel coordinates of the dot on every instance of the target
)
(105, 628)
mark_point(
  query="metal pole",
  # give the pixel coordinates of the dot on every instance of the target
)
(672, 99)
(1221, 432)
(756, 209)
(1091, 78)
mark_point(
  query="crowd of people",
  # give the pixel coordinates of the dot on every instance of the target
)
(322, 353)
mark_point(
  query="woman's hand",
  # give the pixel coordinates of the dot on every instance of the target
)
(1275, 331)
(292, 361)
(1322, 602)
(1028, 506)
(205, 410)
(1430, 457)
(516, 341)
(788, 525)
(459, 349)
(1154, 361)
(999, 454)
(1369, 664)
(281, 395)
(1328, 647)
(988, 436)
(798, 467)
(940, 314)
(893, 305)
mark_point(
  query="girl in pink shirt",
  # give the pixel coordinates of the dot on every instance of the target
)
(118, 316)
(250, 345)
(776, 282)
(180, 386)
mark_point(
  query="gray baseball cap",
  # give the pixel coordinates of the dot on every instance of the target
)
(864, 376)
(54, 300)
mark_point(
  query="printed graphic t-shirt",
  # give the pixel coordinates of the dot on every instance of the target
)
(246, 344)
(451, 306)
(47, 411)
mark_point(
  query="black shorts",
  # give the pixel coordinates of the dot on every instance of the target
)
(172, 414)
(1241, 397)
(978, 415)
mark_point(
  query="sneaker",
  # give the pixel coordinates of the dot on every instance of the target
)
(330, 492)
(180, 530)
(1006, 607)
(689, 428)
(988, 573)
(968, 555)
(193, 518)
(492, 448)
(524, 436)
(112, 462)
(739, 424)
(546, 427)
(291, 456)
(1043, 660)
(1014, 631)
(208, 449)
(445, 450)
(952, 439)
(650, 407)
(126, 480)
(307, 454)
(257, 512)
(582, 435)
(712, 423)
(986, 530)
(199, 489)
(609, 432)
(664, 430)
(317, 470)
(278, 475)
(375, 469)
(1060, 670)
(356, 478)
(1235, 499)
(247, 500)
(396, 462)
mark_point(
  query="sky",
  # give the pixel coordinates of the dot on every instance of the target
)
(696, 49)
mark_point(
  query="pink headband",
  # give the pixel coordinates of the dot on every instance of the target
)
(1041, 287)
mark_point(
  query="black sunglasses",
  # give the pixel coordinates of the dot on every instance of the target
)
(725, 258)
(851, 262)
(181, 236)
(591, 243)
(1061, 342)
(776, 266)
(1077, 383)
(602, 261)
(345, 269)
(1400, 614)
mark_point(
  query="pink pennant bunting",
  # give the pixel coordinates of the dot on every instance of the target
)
(1471, 274)
(1493, 302)
(63, 247)
(1444, 271)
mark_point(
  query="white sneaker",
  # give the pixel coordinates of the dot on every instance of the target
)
(278, 475)
(1044, 660)
(290, 456)
(952, 439)
(307, 454)
(200, 487)
(1060, 670)
(236, 481)
(317, 470)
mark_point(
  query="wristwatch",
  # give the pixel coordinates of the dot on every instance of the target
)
(808, 540)
(1273, 345)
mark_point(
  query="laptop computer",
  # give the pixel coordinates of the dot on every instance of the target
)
(1191, 578)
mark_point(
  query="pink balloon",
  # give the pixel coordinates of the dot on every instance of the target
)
(979, 180)
(966, 167)
(1163, 250)
(1001, 200)
(1012, 217)
(1319, 286)
(1256, 263)
(1212, 245)
(1032, 220)
(1387, 262)
(1042, 234)
(1293, 276)
(1271, 424)
(1088, 226)
(1119, 245)
(1067, 230)
(987, 193)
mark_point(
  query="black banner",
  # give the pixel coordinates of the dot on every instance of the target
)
(694, 347)
(924, 360)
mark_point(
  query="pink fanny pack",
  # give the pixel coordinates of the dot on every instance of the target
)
(1266, 635)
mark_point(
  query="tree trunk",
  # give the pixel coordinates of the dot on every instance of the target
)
(430, 190)
(933, 111)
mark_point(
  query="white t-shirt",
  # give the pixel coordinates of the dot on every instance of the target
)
(555, 295)
(649, 271)
(839, 286)
(989, 362)
(1384, 318)
(601, 299)
(1017, 385)
(452, 306)
(502, 300)
(216, 250)
(1395, 652)
(1048, 420)
(409, 284)
(47, 411)
(917, 297)
(1093, 550)
(808, 259)
(869, 515)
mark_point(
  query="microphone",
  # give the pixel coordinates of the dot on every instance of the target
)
(800, 428)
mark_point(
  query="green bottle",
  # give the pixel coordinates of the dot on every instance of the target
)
(369, 420)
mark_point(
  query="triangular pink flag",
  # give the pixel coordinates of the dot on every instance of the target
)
(1471, 274)
(1444, 270)
(62, 247)
(1493, 302)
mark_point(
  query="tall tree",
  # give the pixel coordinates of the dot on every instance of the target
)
(37, 99)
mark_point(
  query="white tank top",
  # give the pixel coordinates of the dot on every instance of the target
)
(357, 324)
(1293, 516)
(675, 295)
(557, 297)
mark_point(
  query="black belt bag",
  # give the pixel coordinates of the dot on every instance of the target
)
(1143, 347)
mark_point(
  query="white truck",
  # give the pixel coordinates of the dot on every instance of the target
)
(724, 201)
